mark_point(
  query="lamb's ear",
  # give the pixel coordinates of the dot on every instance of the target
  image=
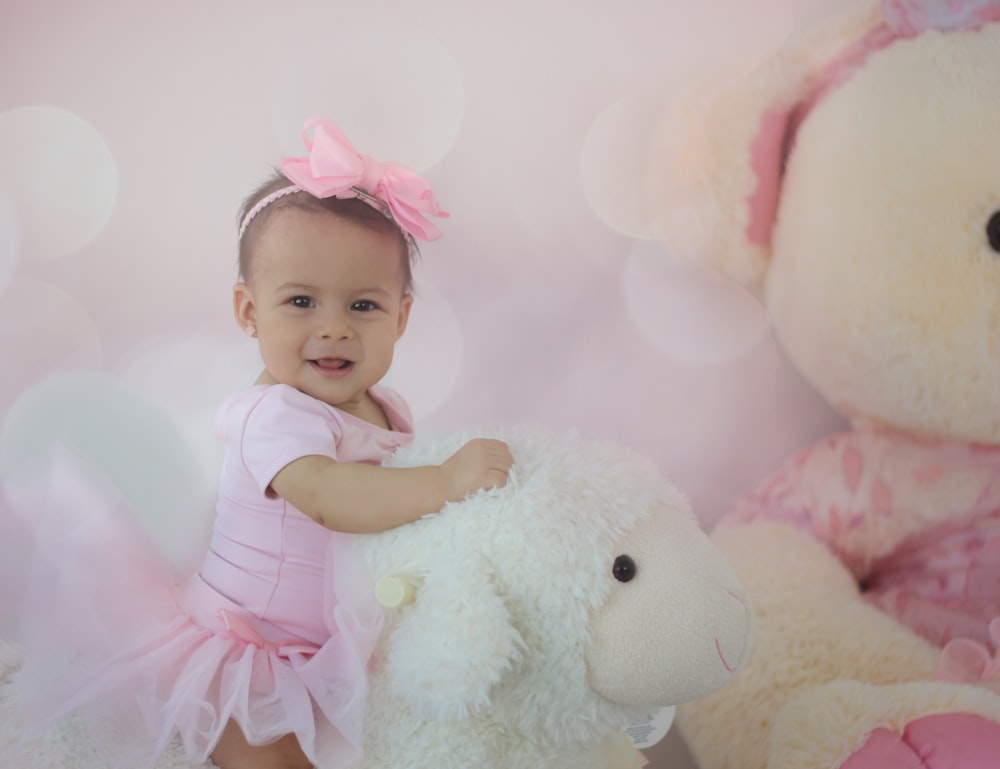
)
(453, 644)
(721, 148)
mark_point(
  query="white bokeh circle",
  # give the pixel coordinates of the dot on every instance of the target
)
(688, 312)
(61, 177)
(43, 330)
(615, 163)
(190, 376)
(9, 240)
(398, 96)
(429, 356)
(127, 441)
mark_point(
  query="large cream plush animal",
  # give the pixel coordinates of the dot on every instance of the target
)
(854, 181)
(544, 616)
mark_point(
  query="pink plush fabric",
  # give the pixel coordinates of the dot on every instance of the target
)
(938, 741)
(771, 147)
(767, 156)
(883, 749)
(917, 522)
(964, 660)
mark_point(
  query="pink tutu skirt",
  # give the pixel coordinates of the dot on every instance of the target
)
(150, 657)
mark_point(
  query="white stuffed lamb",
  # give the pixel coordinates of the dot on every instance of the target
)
(545, 615)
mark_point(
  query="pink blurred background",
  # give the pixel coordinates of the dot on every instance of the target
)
(129, 133)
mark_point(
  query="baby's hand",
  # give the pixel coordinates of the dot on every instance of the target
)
(482, 463)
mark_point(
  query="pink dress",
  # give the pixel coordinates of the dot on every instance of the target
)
(274, 631)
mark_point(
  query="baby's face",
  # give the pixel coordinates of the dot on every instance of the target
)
(326, 296)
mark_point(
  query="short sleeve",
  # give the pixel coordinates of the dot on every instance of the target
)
(285, 425)
(396, 409)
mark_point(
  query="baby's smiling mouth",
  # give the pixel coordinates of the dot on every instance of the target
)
(332, 364)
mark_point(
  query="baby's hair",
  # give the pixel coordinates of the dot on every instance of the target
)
(353, 209)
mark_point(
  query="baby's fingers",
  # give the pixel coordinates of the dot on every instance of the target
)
(500, 461)
(501, 455)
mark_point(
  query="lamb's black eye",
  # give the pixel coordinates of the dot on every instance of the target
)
(993, 231)
(624, 568)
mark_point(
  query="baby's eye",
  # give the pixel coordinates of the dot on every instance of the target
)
(364, 305)
(302, 302)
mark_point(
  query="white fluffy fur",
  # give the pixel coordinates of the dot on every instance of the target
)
(518, 624)
(519, 581)
(884, 292)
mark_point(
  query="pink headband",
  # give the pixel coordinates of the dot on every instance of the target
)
(901, 20)
(334, 168)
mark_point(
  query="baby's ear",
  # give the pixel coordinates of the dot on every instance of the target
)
(722, 145)
(243, 306)
(453, 644)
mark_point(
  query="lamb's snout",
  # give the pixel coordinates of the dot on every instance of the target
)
(678, 629)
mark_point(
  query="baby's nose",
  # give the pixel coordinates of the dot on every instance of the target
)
(334, 326)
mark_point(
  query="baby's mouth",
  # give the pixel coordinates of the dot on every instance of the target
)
(332, 364)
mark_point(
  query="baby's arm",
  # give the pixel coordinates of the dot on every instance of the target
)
(359, 498)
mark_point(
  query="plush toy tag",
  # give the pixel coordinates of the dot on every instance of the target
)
(649, 730)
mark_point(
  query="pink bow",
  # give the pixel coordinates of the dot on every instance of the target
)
(964, 660)
(335, 168)
(912, 17)
(243, 630)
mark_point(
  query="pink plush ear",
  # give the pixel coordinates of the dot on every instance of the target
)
(768, 153)
(827, 64)
(725, 141)
(770, 149)
(901, 19)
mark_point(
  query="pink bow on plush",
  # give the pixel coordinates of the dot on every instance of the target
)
(912, 17)
(964, 660)
(335, 169)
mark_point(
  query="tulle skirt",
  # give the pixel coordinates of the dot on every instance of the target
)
(148, 656)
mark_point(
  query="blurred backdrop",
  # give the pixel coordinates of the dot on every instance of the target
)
(130, 131)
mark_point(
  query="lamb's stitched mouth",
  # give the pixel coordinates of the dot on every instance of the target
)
(744, 647)
(729, 668)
